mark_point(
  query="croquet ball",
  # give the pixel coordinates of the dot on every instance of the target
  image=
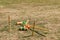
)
(22, 28)
(24, 22)
(28, 26)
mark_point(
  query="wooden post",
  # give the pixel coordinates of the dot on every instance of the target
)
(33, 28)
(9, 20)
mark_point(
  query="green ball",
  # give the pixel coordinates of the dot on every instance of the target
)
(22, 28)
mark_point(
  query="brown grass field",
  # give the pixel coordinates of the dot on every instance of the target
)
(47, 18)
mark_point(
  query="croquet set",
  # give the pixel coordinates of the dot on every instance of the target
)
(24, 26)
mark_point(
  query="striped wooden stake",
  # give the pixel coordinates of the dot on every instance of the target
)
(33, 28)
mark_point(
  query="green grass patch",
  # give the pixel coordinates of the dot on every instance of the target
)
(43, 2)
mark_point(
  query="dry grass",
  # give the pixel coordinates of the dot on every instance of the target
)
(47, 16)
